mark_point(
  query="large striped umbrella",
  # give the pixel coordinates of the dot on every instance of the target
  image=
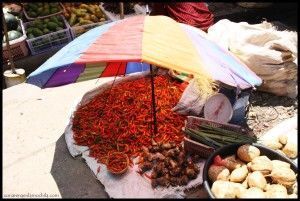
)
(132, 44)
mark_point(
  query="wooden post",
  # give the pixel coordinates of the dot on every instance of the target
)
(121, 10)
(147, 10)
(153, 101)
(11, 62)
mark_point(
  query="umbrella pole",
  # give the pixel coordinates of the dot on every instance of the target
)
(153, 101)
(121, 10)
(11, 61)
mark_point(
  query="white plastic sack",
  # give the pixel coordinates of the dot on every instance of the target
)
(271, 54)
(130, 184)
(192, 100)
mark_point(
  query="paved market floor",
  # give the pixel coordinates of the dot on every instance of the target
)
(35, 156)
(36, 160)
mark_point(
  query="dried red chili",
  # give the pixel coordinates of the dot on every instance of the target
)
(125, 123)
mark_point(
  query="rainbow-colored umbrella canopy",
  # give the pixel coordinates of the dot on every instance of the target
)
(130, 45)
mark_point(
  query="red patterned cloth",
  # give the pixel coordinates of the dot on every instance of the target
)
(192, 13)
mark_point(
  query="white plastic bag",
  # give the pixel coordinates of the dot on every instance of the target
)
(191, 101)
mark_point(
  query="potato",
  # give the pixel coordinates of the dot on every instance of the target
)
(249, 165)
(284, 176)
(276, 191)
(294, 187)
(218, 173)
(283, 139)
(292, 196)
(231, 162)
(290, 149)
(279, 164)
(245, 182)
(223, 189)
(267, 186)
(239, 174)
(253, 192)
(226, 189)
(273, 144)
(247, 152)
(262, 164)
(257, 179)
(238, 188)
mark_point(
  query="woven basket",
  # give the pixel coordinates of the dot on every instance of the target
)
(198, 148)
(18, 47)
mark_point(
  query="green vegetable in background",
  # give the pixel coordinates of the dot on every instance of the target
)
(52, 26)
(30, 36)
(46, 31)
(37, 32)
(218, 137)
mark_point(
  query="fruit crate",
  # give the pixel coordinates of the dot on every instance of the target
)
(201, 149)
(18, 47)
(78, 30)
(49, 41)
(42, 17)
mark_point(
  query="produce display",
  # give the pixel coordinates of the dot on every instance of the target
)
(283, 144)
(79, 14)
(248, 174)
(217, 137)
(34, 10)
(40, 27)
(119, 119)
(11, 21)
(12, 35)
(115, 7)
(13, 27)
(169, 165)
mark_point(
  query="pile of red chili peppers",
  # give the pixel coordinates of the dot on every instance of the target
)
(120, 119)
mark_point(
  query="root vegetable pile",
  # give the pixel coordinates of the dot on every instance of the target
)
(169, 165)
(284, 144)
(259, 178)
(124, 124)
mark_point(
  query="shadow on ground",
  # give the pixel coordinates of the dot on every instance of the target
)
(73, 177)
(259, 98)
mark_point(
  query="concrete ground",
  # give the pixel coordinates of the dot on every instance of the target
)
(36, 161)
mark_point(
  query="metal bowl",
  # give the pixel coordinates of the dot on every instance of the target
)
(232, 149)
